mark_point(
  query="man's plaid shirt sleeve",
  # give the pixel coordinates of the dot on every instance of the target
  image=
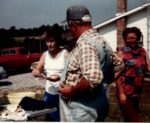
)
(89, 63)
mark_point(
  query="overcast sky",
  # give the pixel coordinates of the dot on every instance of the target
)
(34, 13)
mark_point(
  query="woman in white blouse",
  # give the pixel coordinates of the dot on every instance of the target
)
(52, 62)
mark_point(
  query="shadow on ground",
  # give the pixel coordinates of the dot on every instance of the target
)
(5, 83)
(20, 71)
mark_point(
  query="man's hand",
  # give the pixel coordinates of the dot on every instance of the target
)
(66, 90)
(81, 87)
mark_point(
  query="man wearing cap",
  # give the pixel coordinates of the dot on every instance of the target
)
(83, 96)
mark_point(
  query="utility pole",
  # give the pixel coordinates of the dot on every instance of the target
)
(121, 23)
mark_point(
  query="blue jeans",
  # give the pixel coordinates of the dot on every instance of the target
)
(87, 107)
(52, 101)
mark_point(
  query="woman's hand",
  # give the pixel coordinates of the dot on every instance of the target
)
(54, 77)
(41, 76)
(122, 98)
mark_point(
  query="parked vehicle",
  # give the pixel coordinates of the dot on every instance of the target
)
(17, 58)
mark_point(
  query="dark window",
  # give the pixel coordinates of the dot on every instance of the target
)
(24, 51)
(12, 52)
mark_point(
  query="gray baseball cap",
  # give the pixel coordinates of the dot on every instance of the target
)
(78, 13)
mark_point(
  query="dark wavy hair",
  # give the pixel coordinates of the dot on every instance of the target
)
(55, 33)
(134, 30)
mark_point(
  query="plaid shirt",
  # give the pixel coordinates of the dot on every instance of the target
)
(84, 60)
(92, 34)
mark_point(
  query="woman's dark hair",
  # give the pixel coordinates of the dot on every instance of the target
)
(55, 33)
(132, 30)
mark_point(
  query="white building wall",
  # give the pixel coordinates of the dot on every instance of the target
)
(138, 19)
(110, 34)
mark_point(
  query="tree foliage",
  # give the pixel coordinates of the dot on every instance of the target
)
(28, 37)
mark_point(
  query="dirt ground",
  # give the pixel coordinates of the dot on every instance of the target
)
(115, 113)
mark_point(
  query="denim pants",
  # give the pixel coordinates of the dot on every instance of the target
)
(52, 101)
(86, 108)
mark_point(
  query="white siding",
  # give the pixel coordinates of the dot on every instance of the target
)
(110, 34)
(138, 19)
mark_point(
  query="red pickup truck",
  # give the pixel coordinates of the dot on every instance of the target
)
(17, 58)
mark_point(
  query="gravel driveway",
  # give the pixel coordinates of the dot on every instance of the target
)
(22, 81)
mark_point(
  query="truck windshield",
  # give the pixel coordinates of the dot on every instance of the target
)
(24, 51)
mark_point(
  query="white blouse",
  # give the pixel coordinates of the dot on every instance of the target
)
(54, 66)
